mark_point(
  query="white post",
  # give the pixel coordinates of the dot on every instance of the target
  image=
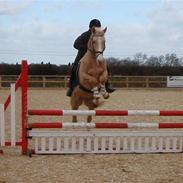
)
(13, 126)
(2, 128)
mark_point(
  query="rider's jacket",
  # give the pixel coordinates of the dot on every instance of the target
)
(81, 45)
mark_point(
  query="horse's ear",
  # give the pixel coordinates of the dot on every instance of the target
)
(93, 30)
(105, 30)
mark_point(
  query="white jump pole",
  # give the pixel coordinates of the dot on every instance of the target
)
(2, 128)
(13, 126)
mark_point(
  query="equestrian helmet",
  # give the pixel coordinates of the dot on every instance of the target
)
(95, 23)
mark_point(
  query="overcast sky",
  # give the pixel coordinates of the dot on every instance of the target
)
(44, 30)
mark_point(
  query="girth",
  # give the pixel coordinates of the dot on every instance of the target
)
(84, 88)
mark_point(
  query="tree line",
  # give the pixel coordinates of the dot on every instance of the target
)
(139, 65)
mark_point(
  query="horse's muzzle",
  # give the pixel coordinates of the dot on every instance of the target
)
(100, 58)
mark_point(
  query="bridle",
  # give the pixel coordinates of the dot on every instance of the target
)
(96, 52)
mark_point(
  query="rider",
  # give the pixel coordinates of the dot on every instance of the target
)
(81, 45)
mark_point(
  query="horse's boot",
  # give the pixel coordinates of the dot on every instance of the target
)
(96, 95)
(105, 94)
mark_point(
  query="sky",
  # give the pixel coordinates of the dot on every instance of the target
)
(45, 30)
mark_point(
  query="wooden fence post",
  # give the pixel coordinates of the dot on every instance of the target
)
(0, 81)
(44, 81)
(127, 82)
(147, 82)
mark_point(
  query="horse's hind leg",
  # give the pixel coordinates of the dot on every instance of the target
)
(91, 106)
(75, 103)
(103, 79)
(89, 118)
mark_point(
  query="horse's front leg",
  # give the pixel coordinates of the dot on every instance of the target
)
(103, 79)
(93, 83)
(96, 95)
(103, 91)
(95, 89)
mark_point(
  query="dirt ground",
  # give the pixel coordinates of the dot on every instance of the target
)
(121, 168)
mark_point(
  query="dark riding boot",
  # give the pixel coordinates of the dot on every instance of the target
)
(72, 85)
(73, 80)
(69, 92)
(109, 87)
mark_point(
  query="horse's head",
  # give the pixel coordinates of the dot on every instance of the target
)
(96, 42)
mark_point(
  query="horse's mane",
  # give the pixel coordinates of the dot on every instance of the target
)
(97, 31)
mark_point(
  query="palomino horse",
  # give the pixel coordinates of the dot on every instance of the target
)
(92, 74)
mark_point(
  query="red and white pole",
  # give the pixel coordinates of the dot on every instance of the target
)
(105, 125)
(55, 112)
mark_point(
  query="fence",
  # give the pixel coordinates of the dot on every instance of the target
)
(84, 140)
(62, 81)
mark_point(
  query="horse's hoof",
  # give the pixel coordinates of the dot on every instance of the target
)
(89, 118)
(74, 120)
(106, 96)
(96, 101)
(96, 96)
